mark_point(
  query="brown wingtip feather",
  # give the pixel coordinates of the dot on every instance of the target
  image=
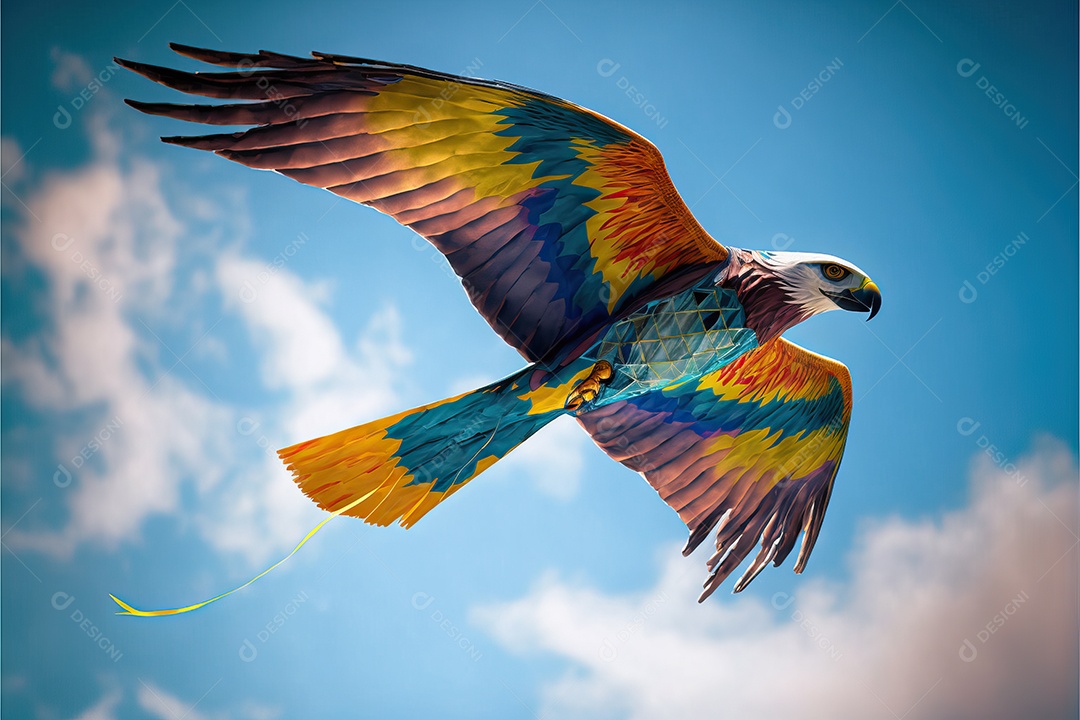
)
(134, 65)
(202, 142)
(165, 76)
(710, 588)
(148, 108)
(174, 140)
(196, 53)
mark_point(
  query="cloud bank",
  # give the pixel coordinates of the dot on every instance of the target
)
(126, 255)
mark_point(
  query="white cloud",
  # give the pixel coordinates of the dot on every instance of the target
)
(121, 268)
(163, 705)
(103, 709)
(970, 615)
(11, 161)
(553, 459)
(70, 70)
(156, 702)
(330, 387)
(258, 711)
(107, 241)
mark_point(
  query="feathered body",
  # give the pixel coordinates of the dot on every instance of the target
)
(571, 241)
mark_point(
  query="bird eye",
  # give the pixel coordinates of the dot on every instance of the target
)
(834, 272)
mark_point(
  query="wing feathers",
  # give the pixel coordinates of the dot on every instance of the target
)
(474, 166)
(749, 452)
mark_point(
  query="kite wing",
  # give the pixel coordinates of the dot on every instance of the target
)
(555, 218)
(753, 447)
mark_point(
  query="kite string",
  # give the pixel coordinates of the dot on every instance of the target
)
(129, 610)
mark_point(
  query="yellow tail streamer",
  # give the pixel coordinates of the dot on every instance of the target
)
(129, 610)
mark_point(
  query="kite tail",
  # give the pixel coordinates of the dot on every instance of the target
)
(406, 464)
(400, 467)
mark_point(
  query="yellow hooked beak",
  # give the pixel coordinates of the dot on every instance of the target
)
(866, 297)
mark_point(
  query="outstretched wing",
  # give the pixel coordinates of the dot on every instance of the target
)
(555, 218)
(753, 447)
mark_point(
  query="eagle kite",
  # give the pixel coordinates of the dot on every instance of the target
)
(574, 245)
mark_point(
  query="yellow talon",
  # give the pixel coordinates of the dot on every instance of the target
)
(589, 388)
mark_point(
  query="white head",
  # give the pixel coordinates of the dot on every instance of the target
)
(781, 289)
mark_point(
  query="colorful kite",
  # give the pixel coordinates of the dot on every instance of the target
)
(574, 245)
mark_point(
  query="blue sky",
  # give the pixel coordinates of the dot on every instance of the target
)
(171, 319)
